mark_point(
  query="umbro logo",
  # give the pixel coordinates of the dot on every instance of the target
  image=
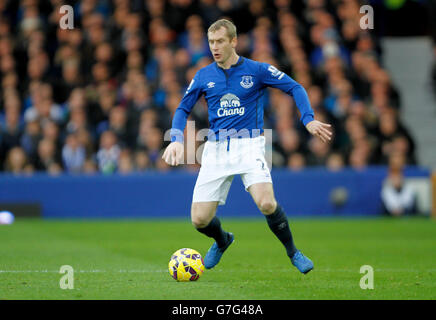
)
(211, 85)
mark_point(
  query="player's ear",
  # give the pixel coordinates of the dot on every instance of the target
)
(234, 42)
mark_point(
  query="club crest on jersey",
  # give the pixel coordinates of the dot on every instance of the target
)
(246, 82)
(230, 105)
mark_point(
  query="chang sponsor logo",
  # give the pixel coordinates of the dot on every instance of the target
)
(230, 105)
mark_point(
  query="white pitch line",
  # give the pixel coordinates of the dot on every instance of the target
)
(219, 270)
(378, 270)
(82, 271)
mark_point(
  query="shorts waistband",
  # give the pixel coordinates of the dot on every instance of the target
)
(231, 137)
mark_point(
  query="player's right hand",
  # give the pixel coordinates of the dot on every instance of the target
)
(173, 154)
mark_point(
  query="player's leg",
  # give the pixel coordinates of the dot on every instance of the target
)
(263, 196)
(202, 213)
(257, 180)
(209, 192)
(204, 220)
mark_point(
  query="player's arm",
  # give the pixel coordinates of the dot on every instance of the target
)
(173, 154)
(273, 77)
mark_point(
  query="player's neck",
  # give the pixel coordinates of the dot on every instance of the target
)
(233, 59)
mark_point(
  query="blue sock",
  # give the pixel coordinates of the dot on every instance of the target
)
(214, 230)
(278, 223)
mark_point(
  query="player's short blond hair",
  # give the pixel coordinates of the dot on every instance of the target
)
(230, 27)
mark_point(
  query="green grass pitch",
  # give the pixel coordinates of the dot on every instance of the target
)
(128, 259)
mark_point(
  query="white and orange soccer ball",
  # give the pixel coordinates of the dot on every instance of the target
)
(186, 265)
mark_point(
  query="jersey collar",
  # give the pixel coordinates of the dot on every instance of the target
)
(237, 64)
(240, 60)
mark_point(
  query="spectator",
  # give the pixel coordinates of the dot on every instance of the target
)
(398, 197)
(11, 130)
(290, 142)
(141, 161)
(46, 158)
(73, 154)
(151, 139)
(109, 153)
(125, 163)
(389, 129)
(117, 123)
(43, 107)
(89, 166)
(30, 139)
(335, 162)
(50, 131)
(319, 152)
(358, 158)
(17, 162)
(296, 162)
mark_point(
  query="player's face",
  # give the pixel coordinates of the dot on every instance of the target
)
(221, 45)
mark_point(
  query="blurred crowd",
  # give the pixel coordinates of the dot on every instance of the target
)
(100, 97)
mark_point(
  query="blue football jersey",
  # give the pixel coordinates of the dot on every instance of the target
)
(234, 97)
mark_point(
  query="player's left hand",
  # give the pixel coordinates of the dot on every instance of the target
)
(173, 154)
(320, 130)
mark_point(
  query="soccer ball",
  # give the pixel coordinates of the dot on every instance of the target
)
(186, 265)
(6, 217)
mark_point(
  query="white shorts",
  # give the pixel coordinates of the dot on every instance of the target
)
(221, 160)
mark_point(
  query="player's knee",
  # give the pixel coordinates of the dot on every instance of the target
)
(199, 222)
(201, 214)
(267, 206)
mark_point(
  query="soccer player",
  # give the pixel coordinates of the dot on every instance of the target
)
(233, 87)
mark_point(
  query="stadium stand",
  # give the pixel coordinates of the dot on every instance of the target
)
(99, 97)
